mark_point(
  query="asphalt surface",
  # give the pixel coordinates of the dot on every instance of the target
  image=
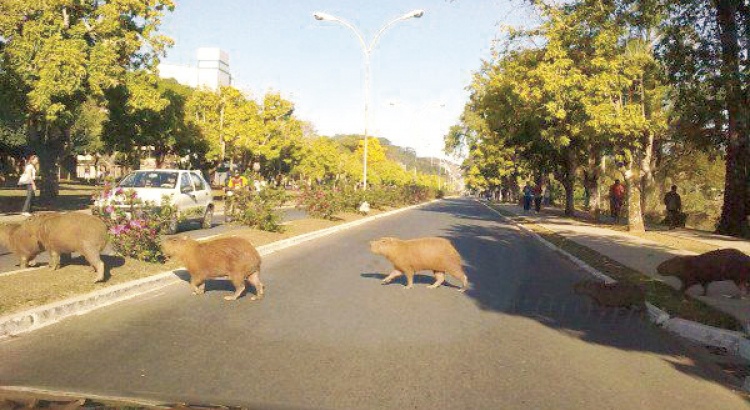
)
(9, 262)
(328, 335)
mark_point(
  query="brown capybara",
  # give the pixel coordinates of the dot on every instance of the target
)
(233, 257)
(618, 294)
(16, 238)
(722, 264)
(67, 232)
(413, 255)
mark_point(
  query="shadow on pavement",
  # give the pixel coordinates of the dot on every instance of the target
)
(425, 278)
(535, 282)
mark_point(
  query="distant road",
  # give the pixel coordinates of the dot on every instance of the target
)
(328, 335)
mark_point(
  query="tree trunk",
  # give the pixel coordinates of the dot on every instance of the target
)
(633, 185)
(569, 182)
(48, 144)
(733, 213)
(591, 177)
(647, 174)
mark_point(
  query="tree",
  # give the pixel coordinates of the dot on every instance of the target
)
(705, 46)
(58, 54)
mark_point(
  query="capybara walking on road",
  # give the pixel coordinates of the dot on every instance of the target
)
(58, 233)
(233, 257)
(414, 255)
(722, 264)
(618, 294)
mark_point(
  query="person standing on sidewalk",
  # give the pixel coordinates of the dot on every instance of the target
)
(28, 179)
(616, 199)
(673, 202)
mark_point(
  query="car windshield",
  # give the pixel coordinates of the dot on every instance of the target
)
(150, 179)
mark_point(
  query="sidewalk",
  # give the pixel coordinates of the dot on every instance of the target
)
(645, 255)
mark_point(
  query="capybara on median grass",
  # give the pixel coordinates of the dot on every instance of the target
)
(722, 264)
(57, 233)
(414, 255)
(618, 294)
(67, 232)
(233, 257)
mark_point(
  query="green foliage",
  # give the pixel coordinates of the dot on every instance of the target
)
(260, 209)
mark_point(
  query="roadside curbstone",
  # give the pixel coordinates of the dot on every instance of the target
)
(45, 315)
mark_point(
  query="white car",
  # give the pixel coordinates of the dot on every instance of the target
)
(188, 192)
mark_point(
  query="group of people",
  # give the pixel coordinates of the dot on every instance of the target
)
(533, 194)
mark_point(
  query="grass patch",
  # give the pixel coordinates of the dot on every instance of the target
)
(72, 197)
(41, 286)
(657, 292)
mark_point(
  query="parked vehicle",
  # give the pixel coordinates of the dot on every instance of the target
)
(187, 190)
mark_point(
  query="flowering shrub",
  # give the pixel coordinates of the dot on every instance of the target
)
(260, 209)
(134, 225)
(322, 201)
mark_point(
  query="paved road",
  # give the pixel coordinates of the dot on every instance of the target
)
(9, 262)
(328, 335)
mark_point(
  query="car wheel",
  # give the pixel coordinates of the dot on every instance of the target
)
(208, 218)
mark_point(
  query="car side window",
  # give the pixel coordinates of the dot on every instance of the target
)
(197, 182)
(185, 185)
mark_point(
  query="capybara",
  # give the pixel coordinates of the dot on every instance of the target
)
(410, 256)
(618, 294)
(66, 232)
(233, 257)
(722, 264)
(17, 239)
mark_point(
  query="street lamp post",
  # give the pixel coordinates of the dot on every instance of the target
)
(367, 49)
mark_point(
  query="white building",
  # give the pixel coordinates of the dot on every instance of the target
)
(211, 72)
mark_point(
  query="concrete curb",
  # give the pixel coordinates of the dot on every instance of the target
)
(735, 342)
(45, 315)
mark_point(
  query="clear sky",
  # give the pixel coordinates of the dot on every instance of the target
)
(420, 67)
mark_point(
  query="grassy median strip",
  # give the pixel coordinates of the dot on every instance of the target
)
(657, 292)
(41, 286)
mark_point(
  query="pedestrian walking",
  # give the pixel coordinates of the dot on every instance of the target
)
(673, 202)
(28, 179)
(528, 195)
(616, 199)
(538, 198)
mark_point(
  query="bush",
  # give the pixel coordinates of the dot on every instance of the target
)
(134, 225)
(260, 209)
(323, 201)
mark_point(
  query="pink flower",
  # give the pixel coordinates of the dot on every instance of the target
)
(117, 229)
(136, 223)
(118, 191)
(109, 209)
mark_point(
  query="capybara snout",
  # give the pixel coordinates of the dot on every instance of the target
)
(423, 254)
(234, 257)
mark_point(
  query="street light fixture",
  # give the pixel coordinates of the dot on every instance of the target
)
(367, 49)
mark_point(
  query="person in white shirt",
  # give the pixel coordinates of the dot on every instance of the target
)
(28, 178)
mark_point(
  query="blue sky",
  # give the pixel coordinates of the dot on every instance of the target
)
(420, 67)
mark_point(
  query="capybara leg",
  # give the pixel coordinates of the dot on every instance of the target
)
(409, 279)
(92, 256)
(24, 263)
(439, 279)
(393, 275)
(705, 289)
(199, 286)
(239, 288)
(54, 260)
(254, 280)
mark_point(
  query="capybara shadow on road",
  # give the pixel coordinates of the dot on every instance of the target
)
(234, 257)
(618, 294)
(422, 254)
(59, 234)
(718, 265)
(418, 279)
